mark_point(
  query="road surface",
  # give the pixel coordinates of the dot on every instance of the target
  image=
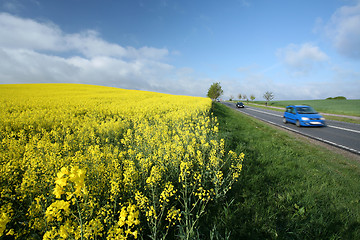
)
(340, 134)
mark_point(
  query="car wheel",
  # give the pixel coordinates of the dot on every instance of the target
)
(298, 123)
(284, 120)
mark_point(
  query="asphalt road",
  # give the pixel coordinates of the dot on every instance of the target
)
(340, 134)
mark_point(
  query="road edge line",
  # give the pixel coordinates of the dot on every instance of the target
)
(306, 135)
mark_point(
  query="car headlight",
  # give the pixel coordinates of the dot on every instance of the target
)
(322, 118)
(305, 118)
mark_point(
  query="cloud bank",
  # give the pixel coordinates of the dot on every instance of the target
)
(343, 30)
(31, 52)
(301, 58)
(17, 33)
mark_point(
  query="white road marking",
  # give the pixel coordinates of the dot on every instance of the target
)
(346, 129)
(276, 115)
(256, 110)
(304, 134)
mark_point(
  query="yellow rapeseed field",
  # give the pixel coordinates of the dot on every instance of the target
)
(91, 162)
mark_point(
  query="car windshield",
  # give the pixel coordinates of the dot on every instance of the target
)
(305, 110)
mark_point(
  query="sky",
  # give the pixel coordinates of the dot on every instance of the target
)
(298, 49)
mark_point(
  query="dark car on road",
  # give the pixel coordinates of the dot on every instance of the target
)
(303, 115)
(240, 105)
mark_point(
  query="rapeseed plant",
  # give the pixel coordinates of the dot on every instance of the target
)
(5, 217)
(90, 162)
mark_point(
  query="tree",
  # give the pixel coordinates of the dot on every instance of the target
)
(215, 91)
(268, 96)
(245, 97)
(336, 98)
(231, 98)
(240, 96)
(252, 97)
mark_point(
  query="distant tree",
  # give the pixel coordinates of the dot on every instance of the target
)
(268, 96)
(252, 97)
(215, 91)
(240, 96)
(245, 97)
(231, 98)
(340, 98)
(336, 98)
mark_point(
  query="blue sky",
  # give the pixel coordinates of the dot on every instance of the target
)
(300, 49)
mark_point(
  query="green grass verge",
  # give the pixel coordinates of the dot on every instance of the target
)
(346, 107)
(289, 189)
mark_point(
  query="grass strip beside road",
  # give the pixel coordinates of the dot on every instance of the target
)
(289, 189)
(350, 107)
(329, 117)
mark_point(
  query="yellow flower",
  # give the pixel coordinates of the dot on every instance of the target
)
(168, 192)
(173, 215)
(53, 212)
(62, 173)
(122, 217)
(77, 176)
(63, 232)
(4, 219)
(94, 227)
(131, 146)
(60, 181)
(155, 176)
(10, 232)
(50, 234)
(133, 215)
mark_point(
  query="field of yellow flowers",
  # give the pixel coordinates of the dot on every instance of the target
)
(91, 162)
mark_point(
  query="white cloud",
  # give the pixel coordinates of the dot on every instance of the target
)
(23, 33)
(343, 29)
(301, 59)
(27, 66)
(31, 52)
(90, 45)
(17, 32)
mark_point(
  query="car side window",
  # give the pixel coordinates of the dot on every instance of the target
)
(290, 110)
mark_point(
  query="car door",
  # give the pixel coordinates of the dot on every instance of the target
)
(291, 114)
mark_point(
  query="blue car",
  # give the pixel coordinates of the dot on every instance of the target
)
(303, 116)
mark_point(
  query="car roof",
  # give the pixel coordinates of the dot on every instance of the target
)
(298, 106)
